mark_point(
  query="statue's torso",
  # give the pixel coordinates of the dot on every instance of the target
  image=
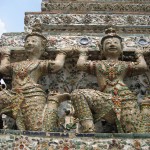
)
(110, 75)
(25, 74)
(31, 97)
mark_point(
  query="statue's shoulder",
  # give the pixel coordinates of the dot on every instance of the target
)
(97, 64)
(95, 61)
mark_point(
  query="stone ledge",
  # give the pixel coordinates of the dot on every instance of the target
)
(87, 21)
(93, 6)
(16, 41)
(13, 139)
(78, 135)
(131, 1)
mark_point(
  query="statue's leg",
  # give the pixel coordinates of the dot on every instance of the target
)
(20, 121)
(102, 106)
(5, 101)
(82, 109)
(5, 105)
(91, 105)
(145, 111)
(8, 100)
(50, 112)
(131, 117)
(32, 110)
(50, 120)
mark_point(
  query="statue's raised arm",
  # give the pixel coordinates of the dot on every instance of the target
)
(5, 60)
(140, 66)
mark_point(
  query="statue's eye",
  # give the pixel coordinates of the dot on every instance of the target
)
(33, 41)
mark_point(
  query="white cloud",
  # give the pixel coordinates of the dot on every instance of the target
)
(2, 27)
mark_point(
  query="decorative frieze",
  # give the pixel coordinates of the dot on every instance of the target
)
(89, 21)
(69, 141)
(12, 39)
(59, 41)
(131, 1)
(95, 6)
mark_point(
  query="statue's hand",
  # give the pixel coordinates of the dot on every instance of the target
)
(139, 52)
(82, 50)
(66, 50)
(146, 51)
(73, 50)
(5, 50)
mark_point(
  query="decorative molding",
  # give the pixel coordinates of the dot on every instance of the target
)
(12, 39)
(59, 41)
(132, 1)
(89, 21)
(56, 41)
(11, 139)
(95, 6)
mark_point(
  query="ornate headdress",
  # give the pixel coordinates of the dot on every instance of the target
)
(110, 33)
(37, 31)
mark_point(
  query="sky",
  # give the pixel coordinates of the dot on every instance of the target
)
(12, 14)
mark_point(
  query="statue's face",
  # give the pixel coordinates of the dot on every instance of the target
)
(112, 46)
(33, 45)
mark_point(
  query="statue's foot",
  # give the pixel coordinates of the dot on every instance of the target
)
(88, 126)
(89, 130)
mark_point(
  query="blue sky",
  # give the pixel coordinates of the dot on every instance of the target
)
(12, 14)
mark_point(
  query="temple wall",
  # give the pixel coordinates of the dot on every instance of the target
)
(69, 141)
(82, 23)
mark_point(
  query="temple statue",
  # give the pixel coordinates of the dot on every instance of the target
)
(114, 102)
(26, 102)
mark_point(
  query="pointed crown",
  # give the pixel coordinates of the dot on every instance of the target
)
(37, 31)
(110, 33)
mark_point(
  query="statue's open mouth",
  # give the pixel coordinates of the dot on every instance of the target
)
(112, 49)
(30, 49)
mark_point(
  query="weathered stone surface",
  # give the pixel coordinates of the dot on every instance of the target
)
(57, 141)
(133, 1)
(55, 41)
(90, 6)
(94, 22)
(82, 22)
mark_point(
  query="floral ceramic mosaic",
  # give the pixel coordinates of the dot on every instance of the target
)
(84, 30)
(26, 140)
